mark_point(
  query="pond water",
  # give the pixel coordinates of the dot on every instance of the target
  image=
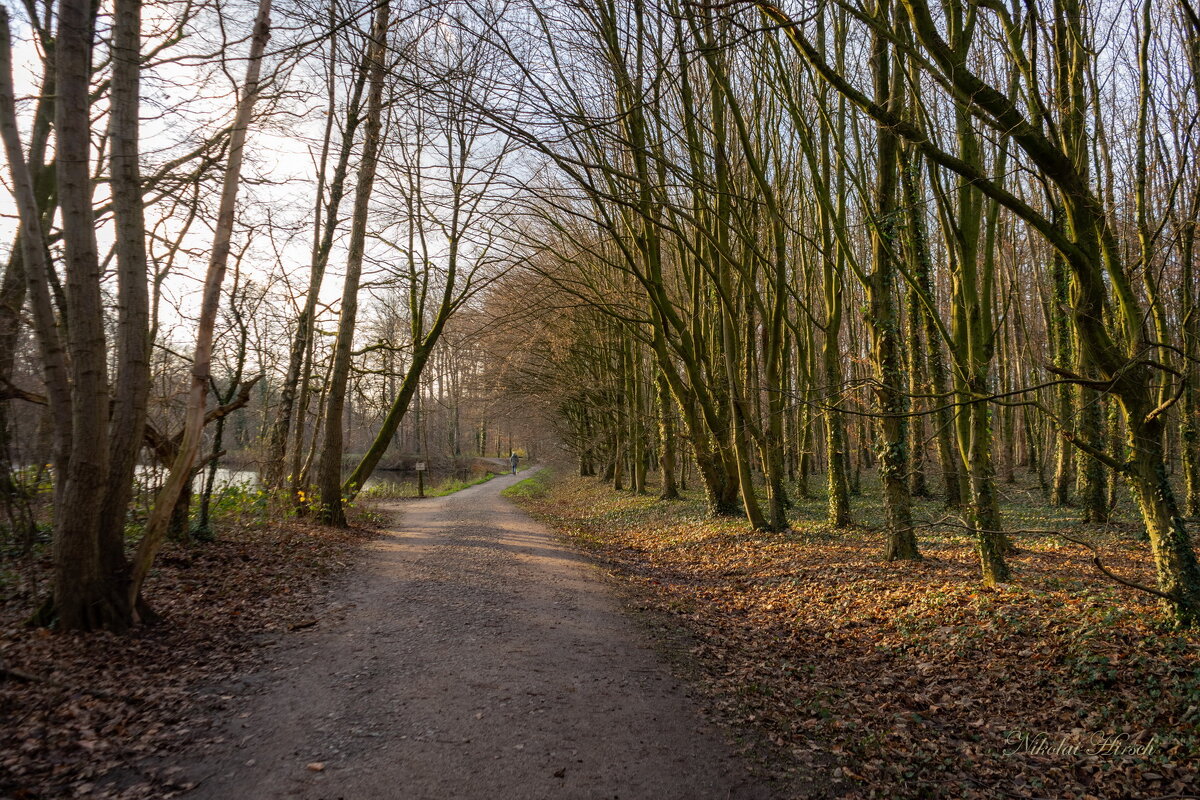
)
(233, 476)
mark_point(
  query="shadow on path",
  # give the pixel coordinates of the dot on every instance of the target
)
(470, 655)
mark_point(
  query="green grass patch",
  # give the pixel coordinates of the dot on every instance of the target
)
(531, 488)
(455, 485)
(403, 490)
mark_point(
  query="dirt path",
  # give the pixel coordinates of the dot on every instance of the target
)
(471, 655)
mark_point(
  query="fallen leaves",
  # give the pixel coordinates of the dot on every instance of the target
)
(103, 716)
(907, 680)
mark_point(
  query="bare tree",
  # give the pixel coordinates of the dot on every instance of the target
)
(181, 468)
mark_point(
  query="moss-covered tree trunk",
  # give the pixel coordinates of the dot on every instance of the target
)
(890, 389)
(832, 283)
(1061, 352)
(1170, 543)
(666, 435)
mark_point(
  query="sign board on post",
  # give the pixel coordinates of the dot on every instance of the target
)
(420, 466)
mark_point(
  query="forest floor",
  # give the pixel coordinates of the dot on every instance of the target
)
(101, 715)
(910, 679)
(454, 647)
(459, 650)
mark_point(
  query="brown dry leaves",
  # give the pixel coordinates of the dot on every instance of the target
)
(110, 712)
(911, 680)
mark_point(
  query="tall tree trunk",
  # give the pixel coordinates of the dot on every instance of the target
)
(666, 434)
(32, 265)
(82, 598)
(832, 277)
(1189, 302)
(325, 229)
(636, 427)
(133, 293)
(939, 381)
(329, 473)
(1061, 353)
(917, 386)
(181, 469)
(885, 321)
(1190, 413)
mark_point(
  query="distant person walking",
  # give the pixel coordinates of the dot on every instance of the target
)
(514, 459)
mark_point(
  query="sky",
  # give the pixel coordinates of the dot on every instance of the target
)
(177, 110)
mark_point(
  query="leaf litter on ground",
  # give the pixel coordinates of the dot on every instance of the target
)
(106, 716)
(910, 679)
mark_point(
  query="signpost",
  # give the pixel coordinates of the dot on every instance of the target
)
(420, 479)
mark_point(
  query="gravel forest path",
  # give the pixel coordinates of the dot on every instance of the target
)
(470, 654)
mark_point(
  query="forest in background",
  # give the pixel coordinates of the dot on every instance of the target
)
(248, 176)
(952, 244)
(767, 249)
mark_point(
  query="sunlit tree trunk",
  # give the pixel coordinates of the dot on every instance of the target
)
(884, 319)
(666, 433)
(1189, 300)
(329, 473)
(326, 224)
(181, 469)
(921, 266)
(1061, 351)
